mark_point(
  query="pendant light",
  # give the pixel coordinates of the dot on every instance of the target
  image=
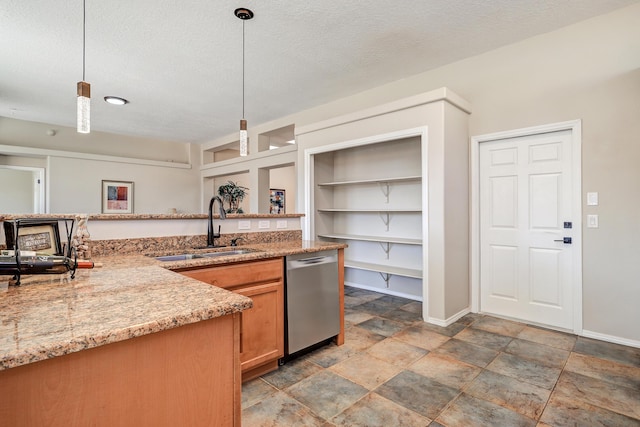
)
(243, 13)
(84, 88)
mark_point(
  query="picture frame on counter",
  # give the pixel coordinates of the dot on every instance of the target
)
(277, 201)
(117, 197)
(41, 236)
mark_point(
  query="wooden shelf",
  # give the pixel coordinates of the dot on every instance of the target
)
(398, 271)
(372, 181)
(401, 240)
(370, 210)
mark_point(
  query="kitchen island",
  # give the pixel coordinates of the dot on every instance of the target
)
(131, 343)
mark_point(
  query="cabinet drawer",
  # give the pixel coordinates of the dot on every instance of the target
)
(233, 275)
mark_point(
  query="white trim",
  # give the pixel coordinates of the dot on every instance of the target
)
(442, 94)
(575, 127)
(451, 320)
(41, 152)
(386, 291)
(611, 338)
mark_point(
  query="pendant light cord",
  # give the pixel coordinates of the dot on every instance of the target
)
(243, 69)
(84, 25)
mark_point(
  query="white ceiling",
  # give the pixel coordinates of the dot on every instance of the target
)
(179, 62)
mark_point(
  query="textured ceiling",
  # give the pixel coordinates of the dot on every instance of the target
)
(179, 62)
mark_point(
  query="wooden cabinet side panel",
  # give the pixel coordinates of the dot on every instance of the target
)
(183, 376)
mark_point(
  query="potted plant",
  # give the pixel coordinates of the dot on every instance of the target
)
(233, 194)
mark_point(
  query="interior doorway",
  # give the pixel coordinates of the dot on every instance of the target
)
(23, 189)
(526, 225)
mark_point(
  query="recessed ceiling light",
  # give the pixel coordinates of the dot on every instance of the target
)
(115, 100)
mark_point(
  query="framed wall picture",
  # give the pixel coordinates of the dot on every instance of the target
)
(277, 199)
(41, 236)
(117, 197)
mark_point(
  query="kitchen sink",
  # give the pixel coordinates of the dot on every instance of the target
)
(184, 257)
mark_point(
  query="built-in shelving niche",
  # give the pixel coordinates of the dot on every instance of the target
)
(370, 197)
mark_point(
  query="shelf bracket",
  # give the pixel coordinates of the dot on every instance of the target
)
(384, 186)
(386, 247)
(385, 277)
(385, 218)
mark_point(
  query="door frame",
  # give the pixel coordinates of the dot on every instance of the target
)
(575, 127)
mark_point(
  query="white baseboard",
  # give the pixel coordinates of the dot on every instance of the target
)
(384, 291)
(611, 338)
(450, 320)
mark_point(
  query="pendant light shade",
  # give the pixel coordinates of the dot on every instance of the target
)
(84, 88)
(84, 107)
(243, 14)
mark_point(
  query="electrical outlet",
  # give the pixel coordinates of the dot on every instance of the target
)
(244, 225)
(281, 223)
(592, 199)
(264, 224)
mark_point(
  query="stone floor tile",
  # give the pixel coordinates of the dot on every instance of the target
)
(484, 338)
(377, 307)
(360, 338)
(394, 300)
(562, 411)
(525, 370)
(555, 339)
(605, 350)
(254, 391)
(420, 337)
(365, 370)
(413, 307)
(448, 331)
(499, 326)
(622, 400)
(326, 393)
(331, 354)
(605, 370)
(445, 370)
(292, 372)
(519, 396)
(280, 410)
(376, 411)
(396, 352)
(469, 318)
(418, 393)
(362, 293)
(403, 316)
(353, 317)
(468, 411)
(549, 356)
(467, 352)
(382, 326)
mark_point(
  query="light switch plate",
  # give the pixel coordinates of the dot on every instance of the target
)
(264, 224)
(281, 223)
(244, 225)
(592, 221)
(592, 199)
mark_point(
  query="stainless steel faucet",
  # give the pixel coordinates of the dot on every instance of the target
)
(211, 236)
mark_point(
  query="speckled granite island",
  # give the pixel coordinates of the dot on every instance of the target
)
(131, 343)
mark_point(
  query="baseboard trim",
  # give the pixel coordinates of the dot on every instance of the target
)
(610, 338)
(450, 320)
(384, 291)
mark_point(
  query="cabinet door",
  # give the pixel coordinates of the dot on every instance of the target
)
(262, 326)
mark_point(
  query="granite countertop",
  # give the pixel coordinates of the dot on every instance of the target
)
(129, 296)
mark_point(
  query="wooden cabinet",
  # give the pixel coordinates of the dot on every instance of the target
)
(262, 326)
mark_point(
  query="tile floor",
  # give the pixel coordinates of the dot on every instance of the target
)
(395, 370)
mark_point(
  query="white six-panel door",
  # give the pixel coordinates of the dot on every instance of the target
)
(525, 207)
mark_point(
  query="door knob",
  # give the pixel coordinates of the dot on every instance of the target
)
(566, 240)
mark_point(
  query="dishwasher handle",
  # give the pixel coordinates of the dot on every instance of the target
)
(293, 264)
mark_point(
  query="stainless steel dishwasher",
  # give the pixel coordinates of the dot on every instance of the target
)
(312, 298)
